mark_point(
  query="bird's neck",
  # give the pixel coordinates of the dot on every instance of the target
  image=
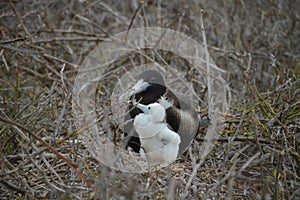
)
(151, 130)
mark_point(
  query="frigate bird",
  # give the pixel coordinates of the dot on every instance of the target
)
(158, 140)
(180, 116)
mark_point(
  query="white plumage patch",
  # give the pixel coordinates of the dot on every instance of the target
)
(165, 102)
(160, 143)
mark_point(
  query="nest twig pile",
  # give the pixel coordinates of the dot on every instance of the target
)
(43, 43)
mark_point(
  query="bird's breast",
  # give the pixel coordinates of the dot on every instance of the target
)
(141, 120)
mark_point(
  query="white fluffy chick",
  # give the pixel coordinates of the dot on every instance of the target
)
(160, 143)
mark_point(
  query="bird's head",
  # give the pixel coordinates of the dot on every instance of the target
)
(152, 76)
(155, 111)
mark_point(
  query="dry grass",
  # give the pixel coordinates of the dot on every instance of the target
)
(43, 43)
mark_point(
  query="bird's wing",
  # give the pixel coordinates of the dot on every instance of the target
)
(167, 136)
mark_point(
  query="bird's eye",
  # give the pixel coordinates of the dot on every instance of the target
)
(148, 108)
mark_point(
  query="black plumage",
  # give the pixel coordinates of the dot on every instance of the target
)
(180, 117)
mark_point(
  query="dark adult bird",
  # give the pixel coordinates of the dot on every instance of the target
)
(180, 116)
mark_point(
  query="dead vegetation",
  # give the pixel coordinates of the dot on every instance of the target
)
(42, 45)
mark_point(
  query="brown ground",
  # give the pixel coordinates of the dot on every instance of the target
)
(42, 43)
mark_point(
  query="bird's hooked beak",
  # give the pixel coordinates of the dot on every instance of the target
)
(140, 86)
(143, 108)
